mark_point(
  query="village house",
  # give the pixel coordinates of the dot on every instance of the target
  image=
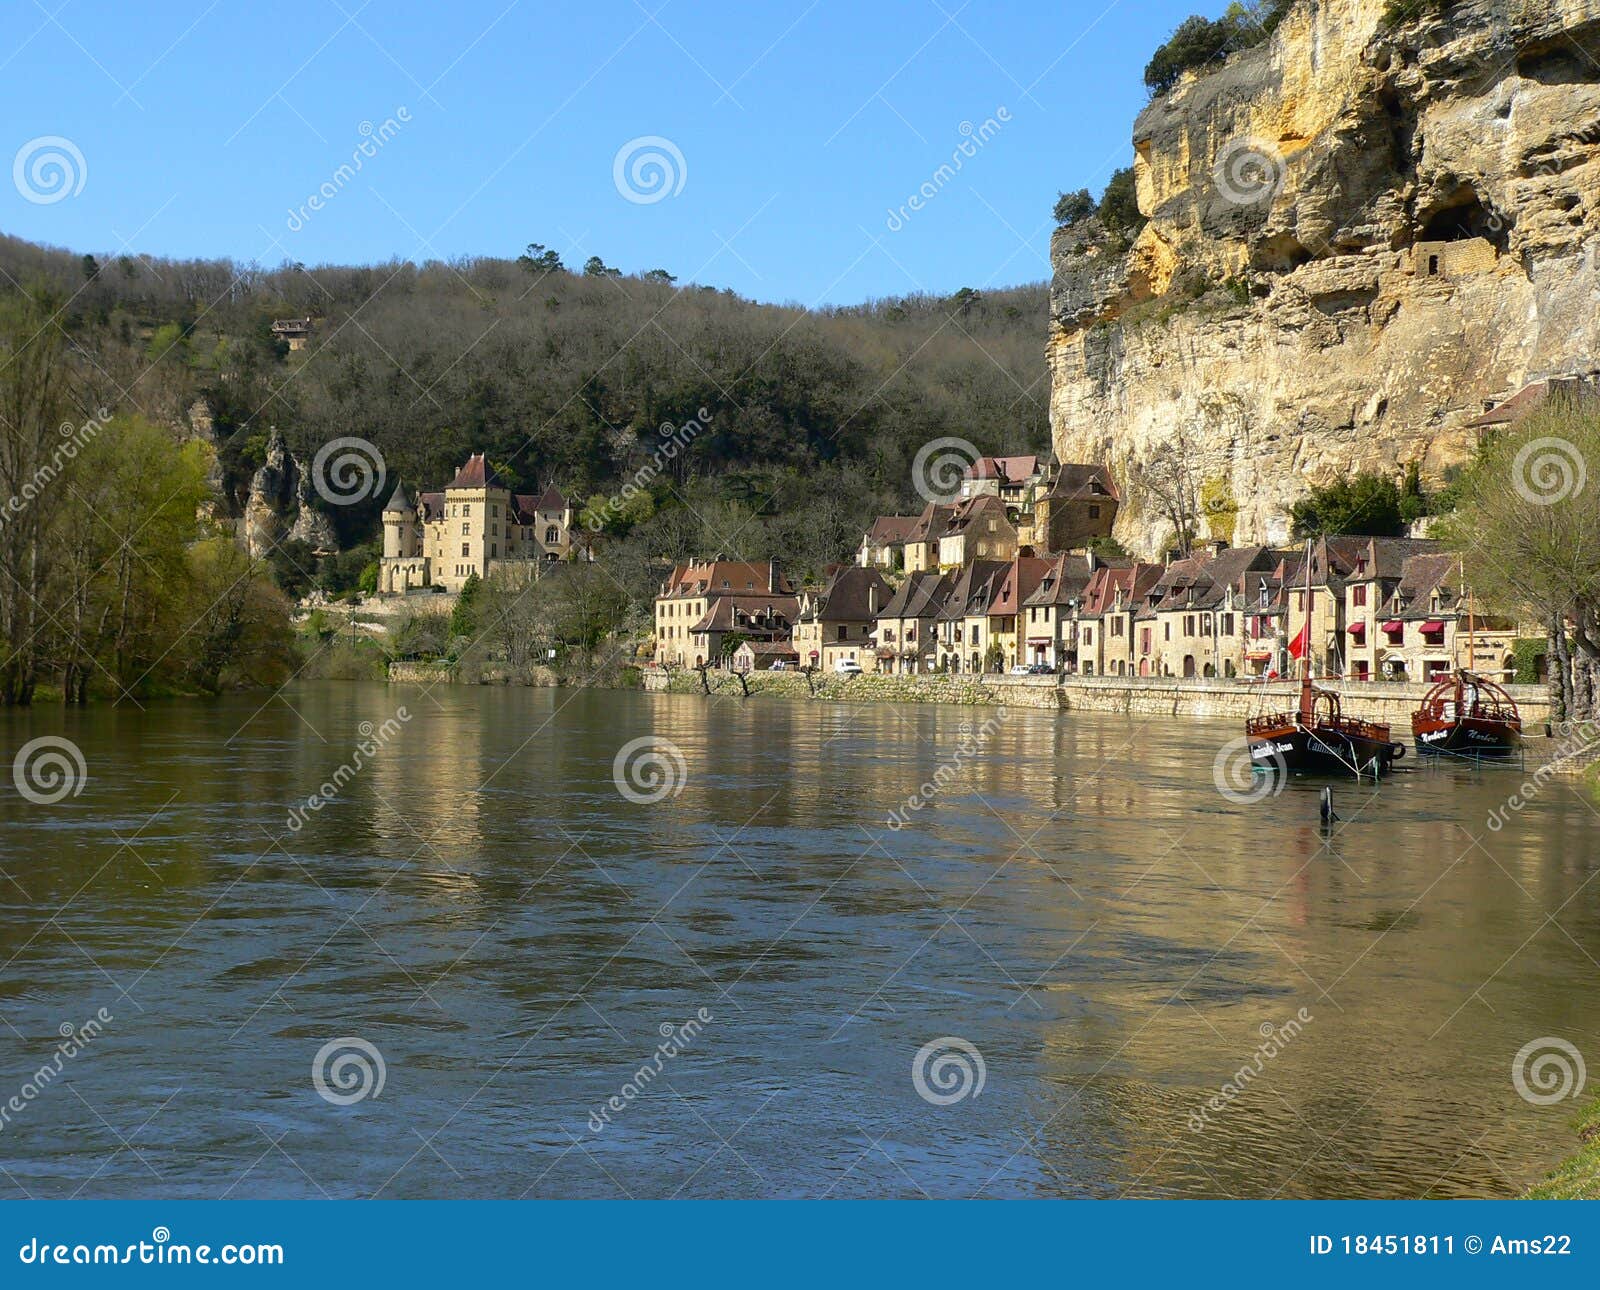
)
(702, 601)
(1112, 599)
(443, 538)
(906, 637)
(294, 332)
(1007, 620)
(1049, 632)
(884, 545)
(1076, 505)
(1013, 480)
(765, 656)
(837, 623)
(978, 529)
(964, 621)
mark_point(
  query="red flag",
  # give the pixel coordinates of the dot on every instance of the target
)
(1298, 646)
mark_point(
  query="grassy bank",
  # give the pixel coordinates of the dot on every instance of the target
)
(1578, 1176)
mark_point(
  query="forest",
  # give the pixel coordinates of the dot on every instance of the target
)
(564, 376)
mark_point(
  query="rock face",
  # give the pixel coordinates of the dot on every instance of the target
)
(279, 506)
(1359, 238)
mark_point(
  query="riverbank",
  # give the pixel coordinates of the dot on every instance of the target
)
(1126, 696)
(1578, 1176)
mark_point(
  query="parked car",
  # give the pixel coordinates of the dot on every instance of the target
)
(1020, 669)
(1041, 669)
(846, 667)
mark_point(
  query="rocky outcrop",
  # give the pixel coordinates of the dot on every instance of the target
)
(1359, 237)
(279, 508)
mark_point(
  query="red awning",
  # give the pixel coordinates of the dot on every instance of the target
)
(1433, 625)
(1358, 629)
(1394, 626)
(1264, 656)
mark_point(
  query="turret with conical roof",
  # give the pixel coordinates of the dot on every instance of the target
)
(402, 539)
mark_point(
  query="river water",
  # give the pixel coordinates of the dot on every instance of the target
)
(1075, 909)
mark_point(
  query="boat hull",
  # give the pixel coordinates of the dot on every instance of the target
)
(1467, 737)
(1313, 750)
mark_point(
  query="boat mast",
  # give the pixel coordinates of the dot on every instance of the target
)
(1305, 654)
(1472, 651)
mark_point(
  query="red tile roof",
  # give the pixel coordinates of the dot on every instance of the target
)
(477, 473)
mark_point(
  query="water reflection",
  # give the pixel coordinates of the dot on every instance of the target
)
(479, 902)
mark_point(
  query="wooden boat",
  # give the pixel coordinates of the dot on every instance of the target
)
(1319, 739)
(1467, 716)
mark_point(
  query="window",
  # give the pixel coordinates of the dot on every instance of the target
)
(552, 535)
(494, 550)
(1358, 596)
(466, 527)
(844, 633)
(1116, 626)
(1167, 628)
(1094, 512)
(1188, 624)
(466, 551)
(1088, 635)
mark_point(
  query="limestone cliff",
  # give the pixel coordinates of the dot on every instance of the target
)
(279, 506)
(1359, 237)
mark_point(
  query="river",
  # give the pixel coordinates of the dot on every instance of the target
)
(558, 990)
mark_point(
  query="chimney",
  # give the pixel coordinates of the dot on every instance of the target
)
(872, 601)
(772, 576)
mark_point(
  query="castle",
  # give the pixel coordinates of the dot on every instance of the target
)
(475, 524)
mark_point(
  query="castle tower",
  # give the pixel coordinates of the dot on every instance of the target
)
(477, 523)
(400, 538)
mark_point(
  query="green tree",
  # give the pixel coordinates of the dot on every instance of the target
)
(595, 267)
(1368, 504)
(659, 275)
(1119, 205)
(464, 617)
(539, 260)
(1527, 524)
(1070, 208)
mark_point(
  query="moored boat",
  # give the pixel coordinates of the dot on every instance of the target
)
(1319, 739)
(1467, 716)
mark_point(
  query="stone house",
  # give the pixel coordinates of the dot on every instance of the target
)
(1076, 505)
(838, 622)
(964, 622)
(978, 529)
(686, 617)
(883, 546)
(906, 635)
(1049, 632)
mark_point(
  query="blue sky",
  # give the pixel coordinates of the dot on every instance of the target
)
(205, 126)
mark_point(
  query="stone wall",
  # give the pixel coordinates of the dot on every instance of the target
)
(1393, 703)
